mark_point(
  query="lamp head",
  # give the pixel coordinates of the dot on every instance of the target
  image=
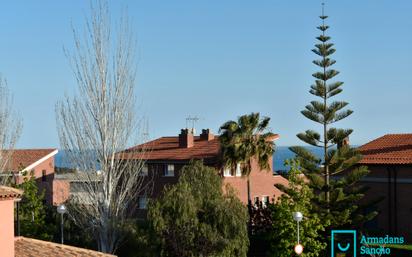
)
(297, 216)
(61, 209)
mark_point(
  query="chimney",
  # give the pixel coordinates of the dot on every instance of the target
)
(186, 139)
(206, 135)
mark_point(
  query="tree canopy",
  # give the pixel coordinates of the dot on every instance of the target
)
(197, 217)
(283, 233)
(32, 211)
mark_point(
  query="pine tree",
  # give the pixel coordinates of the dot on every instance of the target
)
(335, 176)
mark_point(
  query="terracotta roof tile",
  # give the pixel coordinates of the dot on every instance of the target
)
(9, 193)
(21, 158)
(389, 149)
(167, 148)
(28, 247)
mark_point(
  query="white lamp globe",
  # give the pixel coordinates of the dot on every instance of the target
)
(297, 216)
(61, 209)
(298, 249)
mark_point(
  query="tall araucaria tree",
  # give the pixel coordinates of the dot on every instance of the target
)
(335, 176)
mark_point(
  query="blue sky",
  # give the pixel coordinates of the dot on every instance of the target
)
(219, 60)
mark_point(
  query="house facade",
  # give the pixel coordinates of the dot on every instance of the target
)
(11, 246)
(389, 159)
(39, 162)
(166, 156)
(73, 185)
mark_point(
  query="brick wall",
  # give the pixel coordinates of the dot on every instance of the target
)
(44, 182)
(261, 184)
(261, 181)
(61, 191)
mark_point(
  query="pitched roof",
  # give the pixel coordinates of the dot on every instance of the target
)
(7, 193)
(389, 149)
(22, 158)
(27, 247)
(167, 148)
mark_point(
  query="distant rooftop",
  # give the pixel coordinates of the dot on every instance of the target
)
(7, 193)
(23, 158)
(170, 148)
(28, 247)
(388, 149)
(167, 148)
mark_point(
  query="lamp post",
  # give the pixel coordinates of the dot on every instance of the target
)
(62, 210)
(298, 216)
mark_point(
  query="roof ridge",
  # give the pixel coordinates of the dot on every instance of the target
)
(398, 134)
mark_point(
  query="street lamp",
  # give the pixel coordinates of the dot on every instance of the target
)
(298, 216)
(62, 210)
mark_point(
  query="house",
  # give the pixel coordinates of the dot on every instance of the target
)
(74, 185)
(389, 159)
(39, 162)
(166, 156)
(11, 246)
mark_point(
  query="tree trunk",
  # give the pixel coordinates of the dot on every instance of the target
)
(249, 198)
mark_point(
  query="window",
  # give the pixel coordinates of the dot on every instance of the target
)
(145, 170)
(170, 170)
(43, 176)
(238, 170)
(256, 201)
(227, 172)
(142, 202)
(265, 201)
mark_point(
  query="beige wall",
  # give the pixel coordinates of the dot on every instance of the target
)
(7, 228)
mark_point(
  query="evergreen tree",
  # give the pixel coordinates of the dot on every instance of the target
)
(32, 212)
(196, 217)
(334, 177)
(282, 235)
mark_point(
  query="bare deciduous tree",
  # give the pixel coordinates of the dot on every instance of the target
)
(100, 121)
(10, 130)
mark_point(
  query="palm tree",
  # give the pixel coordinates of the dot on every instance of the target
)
(245, 140)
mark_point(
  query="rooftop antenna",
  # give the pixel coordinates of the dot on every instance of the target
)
(146, 128)
(193, 121)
